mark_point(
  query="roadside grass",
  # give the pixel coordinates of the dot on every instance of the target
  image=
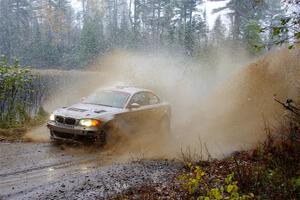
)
(269, 171)
(17, 132)
(21, 97)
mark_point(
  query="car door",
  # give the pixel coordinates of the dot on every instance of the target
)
(133, 119)
(153, 108)
(156, 111)
(147, 117)
(139, 116)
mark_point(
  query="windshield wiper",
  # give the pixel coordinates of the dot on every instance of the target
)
(105, 105)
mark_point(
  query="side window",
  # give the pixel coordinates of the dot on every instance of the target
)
(153, 99)
(140, 98)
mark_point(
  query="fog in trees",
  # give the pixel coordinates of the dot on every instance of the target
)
(53, 34)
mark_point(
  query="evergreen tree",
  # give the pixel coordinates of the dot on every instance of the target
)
(89, 43)
(218, 32)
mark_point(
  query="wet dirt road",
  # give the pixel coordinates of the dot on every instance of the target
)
(47, 171)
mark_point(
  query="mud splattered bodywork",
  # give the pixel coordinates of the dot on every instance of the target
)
(126, 109)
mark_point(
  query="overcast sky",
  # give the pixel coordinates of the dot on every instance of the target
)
(76, 4)
(210, 5)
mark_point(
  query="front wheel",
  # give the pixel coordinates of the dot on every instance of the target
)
(109, 135)
(53, 141)
(101, 138)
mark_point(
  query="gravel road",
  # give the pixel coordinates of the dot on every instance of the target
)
(47, 171)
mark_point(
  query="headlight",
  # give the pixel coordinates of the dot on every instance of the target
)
(89, 122)
(52, 117)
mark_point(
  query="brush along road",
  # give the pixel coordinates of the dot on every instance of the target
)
(45, 171)
(116, 111)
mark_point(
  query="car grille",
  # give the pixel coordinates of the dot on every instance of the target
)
(76, 137)
(70, 121)
(67, 120)
(64, 135)
(59, 119)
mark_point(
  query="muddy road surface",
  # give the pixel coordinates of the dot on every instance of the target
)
(47, 171)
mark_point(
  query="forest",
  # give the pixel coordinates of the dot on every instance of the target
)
(53, 34)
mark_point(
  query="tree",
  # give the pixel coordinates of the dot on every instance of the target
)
(252, 37)
(89, 45)
(218, 32)
(15, 17)
(243, 12)
(124, 33)
(286, 28)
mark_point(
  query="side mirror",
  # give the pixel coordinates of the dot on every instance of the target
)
(134, 106)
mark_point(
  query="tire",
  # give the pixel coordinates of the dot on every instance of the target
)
(101, 138)
(108, 135)
(54, 141)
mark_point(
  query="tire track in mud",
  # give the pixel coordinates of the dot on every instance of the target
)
(31, 179)
(73, 173)
(27, 166)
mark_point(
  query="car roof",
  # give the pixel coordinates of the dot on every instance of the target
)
(129, 89)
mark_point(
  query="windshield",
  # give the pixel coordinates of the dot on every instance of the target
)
(108, 98)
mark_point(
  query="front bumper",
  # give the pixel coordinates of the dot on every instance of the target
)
(72, 133)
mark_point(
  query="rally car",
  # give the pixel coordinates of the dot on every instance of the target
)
(123, 109)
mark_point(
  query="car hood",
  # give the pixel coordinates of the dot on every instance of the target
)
(83, 110)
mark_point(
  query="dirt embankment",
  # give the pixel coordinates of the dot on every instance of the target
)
(233, 117)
